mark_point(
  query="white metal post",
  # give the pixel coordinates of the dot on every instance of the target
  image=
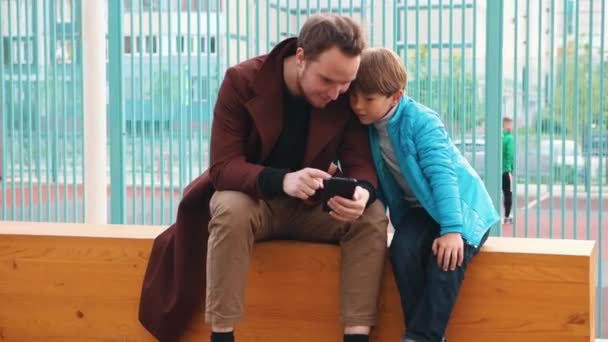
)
(94, 84)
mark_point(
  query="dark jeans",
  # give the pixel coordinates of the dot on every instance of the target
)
(428, 293)
(507, 193)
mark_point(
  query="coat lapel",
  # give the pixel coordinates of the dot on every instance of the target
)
(325, 125)
(267, 115)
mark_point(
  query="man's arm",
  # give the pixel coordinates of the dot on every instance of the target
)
(229, 169)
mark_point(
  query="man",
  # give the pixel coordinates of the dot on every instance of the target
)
(279, 121)
(507, 167)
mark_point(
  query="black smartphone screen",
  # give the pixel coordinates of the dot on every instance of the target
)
(338, 186)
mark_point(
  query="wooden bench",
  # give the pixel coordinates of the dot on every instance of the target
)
(73, 282)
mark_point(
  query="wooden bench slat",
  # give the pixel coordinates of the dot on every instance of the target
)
(55, 286)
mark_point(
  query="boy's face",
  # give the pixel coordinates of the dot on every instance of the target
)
(507, 125)
(370, 108)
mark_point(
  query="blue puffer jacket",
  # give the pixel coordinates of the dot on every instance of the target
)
(441, 178)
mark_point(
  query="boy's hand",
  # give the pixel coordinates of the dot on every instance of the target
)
(304, 183)
(449, 250)
(349, 210)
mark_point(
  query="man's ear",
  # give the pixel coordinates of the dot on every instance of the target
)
(300, 58)
(397, 96)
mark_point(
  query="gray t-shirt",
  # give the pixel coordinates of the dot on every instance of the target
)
(388, 154)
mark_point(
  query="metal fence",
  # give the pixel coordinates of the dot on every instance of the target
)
(167, 58)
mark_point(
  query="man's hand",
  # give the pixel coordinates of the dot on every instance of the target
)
(349, 210)
(449, 250)
(304, 183)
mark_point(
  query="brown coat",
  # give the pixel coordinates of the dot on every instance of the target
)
(247, 123)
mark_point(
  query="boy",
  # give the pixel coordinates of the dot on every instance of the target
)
(507, 167)
(439, 206)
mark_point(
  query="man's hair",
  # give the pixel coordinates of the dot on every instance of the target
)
(381, 72)
(323, 31)
(507, 119)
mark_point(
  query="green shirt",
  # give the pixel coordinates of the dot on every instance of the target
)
(507, 151)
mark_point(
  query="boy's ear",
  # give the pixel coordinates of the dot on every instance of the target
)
(397, 96)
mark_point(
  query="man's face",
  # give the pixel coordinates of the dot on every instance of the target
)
(507, 125)
(323, 79)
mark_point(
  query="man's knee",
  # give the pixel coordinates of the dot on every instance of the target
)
(373, 222)
(233, 212)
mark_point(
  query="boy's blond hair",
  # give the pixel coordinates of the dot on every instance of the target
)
(381, 72)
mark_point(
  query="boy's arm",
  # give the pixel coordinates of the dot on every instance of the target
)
(434, 152)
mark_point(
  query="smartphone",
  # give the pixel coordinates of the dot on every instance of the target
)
(338, 186)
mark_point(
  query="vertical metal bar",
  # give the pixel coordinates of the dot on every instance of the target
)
(65, 113)
(21, 87)
(47, 107)
(576, 114)
(493, 106)
(81, 143)
(589, 125)
(308, 12)
(248, 28)
(268, 24)
(171, 92)
(602, 138)
(340, 12)
(297, 15)
(288, 19)
(526, 103)
(152, 114)
(429, 97)
(139, 189)
(180, 101)
(372, 32)
(199, 74)
(115, 51)
(399, 35)
(2, 108)
(161, 99)
(258, 38)
(474, 72)
(238, 31)
(564, 81)
(278, 28)
(418, 50)
(76, 59)
(451, 71)
(538, 113)
(31, 146)
(440, 107)
(384, 22)
(37, 36)
(463, 96)
(132, 116)
(552, 108)
(218, 67)
(27, 112)
(188, 95)
(15, 89)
